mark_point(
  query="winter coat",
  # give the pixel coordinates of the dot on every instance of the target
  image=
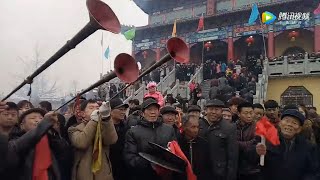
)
(82, 139)
(21, 153)
(116, 153)
(3, 151)
(157, 95)
(223, 146)
(247, 141)
(294, 160)
(137, 140)
(197, 153)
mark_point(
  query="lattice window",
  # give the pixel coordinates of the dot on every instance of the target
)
(296, 95)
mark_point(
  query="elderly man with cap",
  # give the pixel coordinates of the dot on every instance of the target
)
(294, 158)
(222, 138)
(194, 110)
(35, 150)
(150, 128)
(170, 117)
(117, 116)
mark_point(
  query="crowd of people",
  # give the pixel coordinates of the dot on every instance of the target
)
(217, 140)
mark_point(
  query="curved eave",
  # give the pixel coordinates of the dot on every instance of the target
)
(219, 14)
(144, 4)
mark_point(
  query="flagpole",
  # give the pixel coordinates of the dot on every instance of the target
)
(263, 39)
(202, 53)
(102, 58)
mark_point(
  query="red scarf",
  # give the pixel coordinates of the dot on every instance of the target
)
(42, 160)
(175, 149)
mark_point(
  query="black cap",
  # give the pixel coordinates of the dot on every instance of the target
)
(215, 103)
(194, 108)
(33, 110)
(148, 103)
(294, 113)
(117, 103)
(168, 109)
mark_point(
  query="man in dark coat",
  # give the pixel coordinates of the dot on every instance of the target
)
(118, 113)
(248, 168)
(222, 139)
(294, 158)
(22, 146)
(3, 151)
(149, 129)
(195, 147)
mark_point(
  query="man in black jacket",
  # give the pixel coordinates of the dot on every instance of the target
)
(194, 147)
(117, 115)
(248, 166)
(3, 142)
(22, 146)
(294, 158)
(149, 129)
(222, 139)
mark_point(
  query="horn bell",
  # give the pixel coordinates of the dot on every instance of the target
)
(178, 50)
(102, 14)
(126, 68)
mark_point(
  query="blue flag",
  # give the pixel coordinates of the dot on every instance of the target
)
(254, 14)
(106, 53)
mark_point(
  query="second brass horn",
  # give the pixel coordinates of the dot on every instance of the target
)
(101, 17)
(177, 50)
(125, 68)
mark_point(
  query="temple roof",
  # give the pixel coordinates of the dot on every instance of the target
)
(150, 6)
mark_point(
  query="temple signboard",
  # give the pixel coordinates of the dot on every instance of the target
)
(144, 44)
(245, 29)
(287, 25)
(210, 34)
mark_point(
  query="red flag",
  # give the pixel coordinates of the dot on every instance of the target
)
(266, 129)
(42, 160)
(317, 11)
(201, 24)
(175, 149)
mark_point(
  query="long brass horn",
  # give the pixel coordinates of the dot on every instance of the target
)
(125, 68)
(101, 17)
(177, 50)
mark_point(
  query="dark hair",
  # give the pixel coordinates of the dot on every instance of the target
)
(12, 106)
(235, 101)
(46, 105)
(185, 119)
(271, 104)
(85, 103)
(258, 106)
(23, 103)
(134, 101)
(244, 105)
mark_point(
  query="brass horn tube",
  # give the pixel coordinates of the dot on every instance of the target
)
(108, 78)
(163, 60)
(97, 21)
(125, 68)
(177, 50)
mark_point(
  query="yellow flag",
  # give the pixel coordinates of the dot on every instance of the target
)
(97, 150)
(174, 30)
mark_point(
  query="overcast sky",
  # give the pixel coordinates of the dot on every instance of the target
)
(48, 24)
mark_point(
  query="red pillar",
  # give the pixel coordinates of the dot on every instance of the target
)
(270, 44)
(189, 53)
(317, 38)
(158, 54)
(230, 48)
